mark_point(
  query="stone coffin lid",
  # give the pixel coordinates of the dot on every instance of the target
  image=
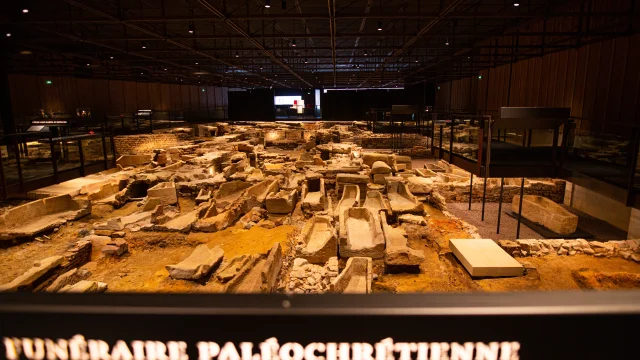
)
(484, 258)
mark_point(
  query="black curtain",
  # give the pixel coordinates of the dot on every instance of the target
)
(348, 105)
(251, 105)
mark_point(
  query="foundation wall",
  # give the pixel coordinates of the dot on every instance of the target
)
(145, 143)
(385, 142)
(460, 193)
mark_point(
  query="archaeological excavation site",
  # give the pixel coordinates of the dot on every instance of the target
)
(319, 180)
(304, 208)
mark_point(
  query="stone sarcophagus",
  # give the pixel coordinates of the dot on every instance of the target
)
(547, 213)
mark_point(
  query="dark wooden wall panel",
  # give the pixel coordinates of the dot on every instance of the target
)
(203, 96)
(155, 96)
(211, 97)
(116, 93)
(68, 90)
(629, 103)
(86, 98)
(167, 98)
(144, 101)
(186, 97)
(30, 93)
(600, 82)
(195, 97)
(101, 99)
(176, 97)
(49, 96)
(130, 96)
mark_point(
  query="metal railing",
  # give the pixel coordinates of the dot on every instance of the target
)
(30, 160)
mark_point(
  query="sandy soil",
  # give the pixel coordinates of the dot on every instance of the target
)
(442, 272)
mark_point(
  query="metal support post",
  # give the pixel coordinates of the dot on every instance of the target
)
(520, 209)
(500, 204)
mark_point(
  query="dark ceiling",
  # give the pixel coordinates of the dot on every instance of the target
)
(295, 43)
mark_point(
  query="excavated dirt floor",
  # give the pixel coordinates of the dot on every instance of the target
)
(142, 269)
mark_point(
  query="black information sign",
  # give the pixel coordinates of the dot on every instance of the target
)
(578, 325)
(58, 122)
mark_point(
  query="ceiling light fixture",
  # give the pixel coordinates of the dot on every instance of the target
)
(25, 11)
(447, 42)
(8, 34)
(111, 57)
(366, 53)
(516, 3)
(237, 55)
(267, 3)
(196, 63)
(379, 25)
(88, 64)
(144, 45)
(293, 43)
(191, 28)
(305, 61)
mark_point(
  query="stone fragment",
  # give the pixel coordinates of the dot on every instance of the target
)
(199, 264)
(69, 278)
(546, 213)
(271, 269)
(398, 255)
(35, 217)
(361, 234)
(401, 199)
(419, 185)
(115, 247)
(356, 277)
(203, 196)
(228, 270)
(380, 167)
(34, 275)
(282, 202)
(318, 241)
(484, 258)
(165, 191)
(412, 219)
(84, 286)
(118, 234)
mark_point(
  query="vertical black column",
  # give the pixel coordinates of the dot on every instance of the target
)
(6, 108)
(500, 205)
(470, 190)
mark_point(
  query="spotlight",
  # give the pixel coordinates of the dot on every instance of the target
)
(8, 34)
(366, 53)
(111, 57)
(379, 25)
(260, 67)
(447, 42)
(516, 3)
(141, 73)
(191, 28)
(88, 64)
(25, 11)
(293, 43)
(165, 69)
(196, 63)
(267, 3)
(237, 55)
(305, 61)
(416, 60)
(144, 45)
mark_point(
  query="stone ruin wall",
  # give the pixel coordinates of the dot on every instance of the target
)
(385, 142)
(553, 190)
(144, 143)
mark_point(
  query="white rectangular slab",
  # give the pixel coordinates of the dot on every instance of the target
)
(483, 257)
